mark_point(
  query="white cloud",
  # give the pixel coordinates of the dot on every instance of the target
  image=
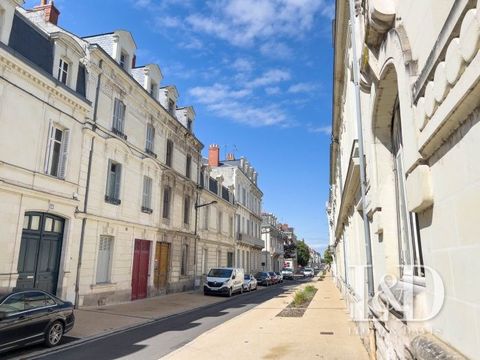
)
(326, 130)
(168, 22)
(269, 77)
(244, 22)
(234, 105)
(277, 50)
(242, 65)
(301, 88)
(192, 44)
(272, 90)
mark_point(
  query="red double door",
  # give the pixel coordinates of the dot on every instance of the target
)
(141, 259)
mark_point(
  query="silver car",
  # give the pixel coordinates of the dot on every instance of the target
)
(249, 282)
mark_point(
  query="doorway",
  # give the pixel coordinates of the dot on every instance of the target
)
(162, 261)
(141, 257)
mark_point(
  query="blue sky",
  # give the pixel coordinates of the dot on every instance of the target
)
(258, 73)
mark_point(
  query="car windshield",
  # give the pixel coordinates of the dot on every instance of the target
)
(246, 277)
(221, 273)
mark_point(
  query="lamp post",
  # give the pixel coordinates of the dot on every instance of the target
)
(197, 206)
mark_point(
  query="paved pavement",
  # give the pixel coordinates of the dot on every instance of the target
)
(158, 338)
(324, 332)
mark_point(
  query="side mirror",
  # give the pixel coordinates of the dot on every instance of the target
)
(233, 277)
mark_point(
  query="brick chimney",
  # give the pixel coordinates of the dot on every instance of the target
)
(50, 12)
(230, 157)
(213, 155)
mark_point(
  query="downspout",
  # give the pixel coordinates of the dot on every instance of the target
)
(87, 190)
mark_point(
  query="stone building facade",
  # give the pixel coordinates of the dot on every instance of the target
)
(274, 238)
(99, 165)
(419, 68)
(242, 177)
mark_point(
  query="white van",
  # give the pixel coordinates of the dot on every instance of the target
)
(226, 281)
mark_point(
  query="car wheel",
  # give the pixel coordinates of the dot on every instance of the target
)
(54, 334)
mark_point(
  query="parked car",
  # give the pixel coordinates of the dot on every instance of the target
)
(249, 283)
(33, 316)
(308, 272)
(263, 278)
(299, 274)
(275, 279)
(287, 273)
(225, 281)
(279, 276)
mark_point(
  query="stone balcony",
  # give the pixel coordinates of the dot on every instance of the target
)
(250, 240)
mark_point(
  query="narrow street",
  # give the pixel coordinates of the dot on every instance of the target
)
(157, 339)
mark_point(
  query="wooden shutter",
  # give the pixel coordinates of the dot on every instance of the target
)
(147, 192)
(62, 166)
(104, 258)
(48, 149)
(118, 179)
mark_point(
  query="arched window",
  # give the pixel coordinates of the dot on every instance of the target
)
(411, 259)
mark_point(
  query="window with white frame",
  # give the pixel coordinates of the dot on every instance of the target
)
(150, 140)
(153, 89)
(63, 69)
(147, 195)
(411, 257)
(57, 151)
(119, 118)
(124, 60)
(184, 265)
(114, 176)
(104, 259)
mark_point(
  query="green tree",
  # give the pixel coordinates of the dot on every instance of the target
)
(303, 253)
(327, 256)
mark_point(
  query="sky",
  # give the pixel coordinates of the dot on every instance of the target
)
(259, 76)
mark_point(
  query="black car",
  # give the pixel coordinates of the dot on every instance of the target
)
(33, 316)
(263, 278)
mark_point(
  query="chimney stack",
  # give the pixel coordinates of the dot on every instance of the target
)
(213, 155)
(50, 12)
(230, 157)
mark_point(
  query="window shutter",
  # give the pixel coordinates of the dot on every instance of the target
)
(62, 166)
(49, 145)
(108, 190)
(115, 114)
(122, 116)
(118, 179)
(104, 258)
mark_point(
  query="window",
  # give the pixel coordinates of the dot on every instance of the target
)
(57, 152)
(119, 118)
(219, 221)
(219, 257)
(188, 169)
(184, 267)
(169, 153)
(167, 195)
(124, 60)
(411, 258)
(189, 124)
(63, 67)
(230, 226)
(171, 107)
(14, 303)
(104, 260)
(147, 195)
(206, 211)
(186, 210)
(153, 89)
(114, 175)
(150, 140)
(230, 259)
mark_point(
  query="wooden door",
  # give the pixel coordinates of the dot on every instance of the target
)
(162, 262)
(141, 257)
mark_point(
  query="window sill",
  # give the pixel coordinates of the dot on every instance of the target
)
(151, 153)
(112, 201)
(119, 133)
(146, 210)
(103, 286)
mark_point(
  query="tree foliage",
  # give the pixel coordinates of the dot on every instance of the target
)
(327, 256)
(303, 253)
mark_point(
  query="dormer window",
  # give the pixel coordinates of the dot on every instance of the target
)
(153, 89)
(189, 124)
(124, 60)
(63, 68)
(171, 106)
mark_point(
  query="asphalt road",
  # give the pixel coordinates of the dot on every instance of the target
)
(156, 339)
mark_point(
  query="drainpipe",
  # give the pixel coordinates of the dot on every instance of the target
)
(87, 189)
(363, 180)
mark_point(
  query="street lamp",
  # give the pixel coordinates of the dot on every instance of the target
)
(197, 206)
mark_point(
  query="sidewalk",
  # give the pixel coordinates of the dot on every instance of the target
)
(96, 321)
(324, 332)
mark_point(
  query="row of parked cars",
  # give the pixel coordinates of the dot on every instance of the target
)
(228, 281)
